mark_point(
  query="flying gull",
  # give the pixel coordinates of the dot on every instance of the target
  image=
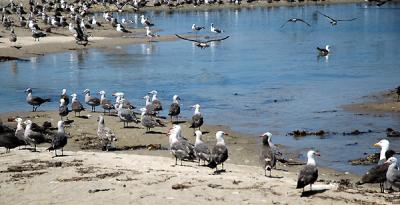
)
(309, 173)
(294, 20)
(219, 152)
(34, 100)
(33, 134)
(174, 108)
(63, 110)
(197, 118)
(335, 21)
(64, 96)
(393, 173)
(323, 51)
(268, 157)
(126, 115)
(201, 149)
(90, 100)
(202, 44)
(106, 104)
(76, 106)
(106, 135)
(59, 139)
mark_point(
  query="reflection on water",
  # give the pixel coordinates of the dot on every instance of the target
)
(262, 78)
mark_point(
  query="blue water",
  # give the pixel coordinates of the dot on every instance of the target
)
(262, 78)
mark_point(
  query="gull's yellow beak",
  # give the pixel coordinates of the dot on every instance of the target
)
(376, 145)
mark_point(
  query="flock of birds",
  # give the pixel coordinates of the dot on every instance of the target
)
(386, 172)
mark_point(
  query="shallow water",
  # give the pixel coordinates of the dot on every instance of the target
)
(262, 78)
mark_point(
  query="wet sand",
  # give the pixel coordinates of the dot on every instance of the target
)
(381, 102)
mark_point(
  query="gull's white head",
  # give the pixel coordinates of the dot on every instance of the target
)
(74, 95)
(18, 120)
(391, 160)
(176, 97)
(310, 157)
(86, 91)
(383, 144)
(102, 92)
(220, 137)
(64, 91)
(327, 47)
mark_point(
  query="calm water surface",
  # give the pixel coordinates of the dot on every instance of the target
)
(262, 78)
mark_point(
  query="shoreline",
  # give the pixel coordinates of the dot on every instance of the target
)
(106, 37)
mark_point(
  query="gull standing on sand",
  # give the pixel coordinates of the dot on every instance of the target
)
(185, 142)
(393, 173)
(309, 173)
(90, 100)
(33, 134)
(120, 28)
(150, 34)
(145, 21)
(37, 35)
(13, 36)
(126, 115)
(174, 108)
(59, 139)
(34, 100)
(148, 122)
(149, 106)
(120, 99)
(76, 106)
(106, 135)
(8, 138)
(105, 103)
(63, 109)
(64, 96)
(201, 149)
(19, 132)
(155, 102)
(268, 158)
(219, 152)
(177, 148)
(197, 118)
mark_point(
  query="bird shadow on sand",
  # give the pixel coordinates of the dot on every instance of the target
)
(155, 132)
(64, 155)
(178, 122)
(131, 127)
(83, 117)
(312, 192)
(274, 177)
(217, 172)
(183, 165)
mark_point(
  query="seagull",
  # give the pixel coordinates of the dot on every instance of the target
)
(8, 138)
(379, 3)
(156, 104)
(393, 173)
(200, 148)
(309, 173)
(150, 33)
(174, 108)
(120, 28)
(219, 153)
(149, 122)
(59, 139)
(384, 145)
(335, 21)
(64, 96)
(38, 34)
(90, 100)
(268, 157)
(120, 98)
(177, 148)
(106, 135)
(19, 132)
(126, 115)
(324, 51)
(80, 37)
(197, 118)
(106, 104)
(35, 101)
(185, 142)
(120, 6)
(294, 20)
(197, 28)
(149, 106)
(33, 134)
(202, 44)
(13, 36)
(63, 109)
(215, 30)
(145, 21)
(76, 106)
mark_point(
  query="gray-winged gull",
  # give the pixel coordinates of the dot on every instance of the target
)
(59, 139)
(393, 173)
(219, 153)
(90, 100)
(34, 100)
(76, 106)
(178, 150)
(155, 101)
(309, 173)
(105, 103)
(148, 122)
(63, 110)
(197, 118)
(149, 106)
(33, 134)
(126, 115)
(8, 139)
(106, 135)
(185, 142)
(64, 96)
(201, 149)
(19, 132)
(174, 108)
(268, 158)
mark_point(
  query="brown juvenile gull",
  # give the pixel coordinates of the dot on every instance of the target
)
(106, 104)
(174, 108)
(90, 100)
(126, 115)
(393, 173)
(34, 100)
(63, 110)
(8, 138)
(59, 139)
(309, 173)
(106, 135)
(201, 149)
(148, 122)
(197, 118)
(76, 106)
(33, 134)
(219, 152)
(64, 96)
(268, 158)
(177, 148)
